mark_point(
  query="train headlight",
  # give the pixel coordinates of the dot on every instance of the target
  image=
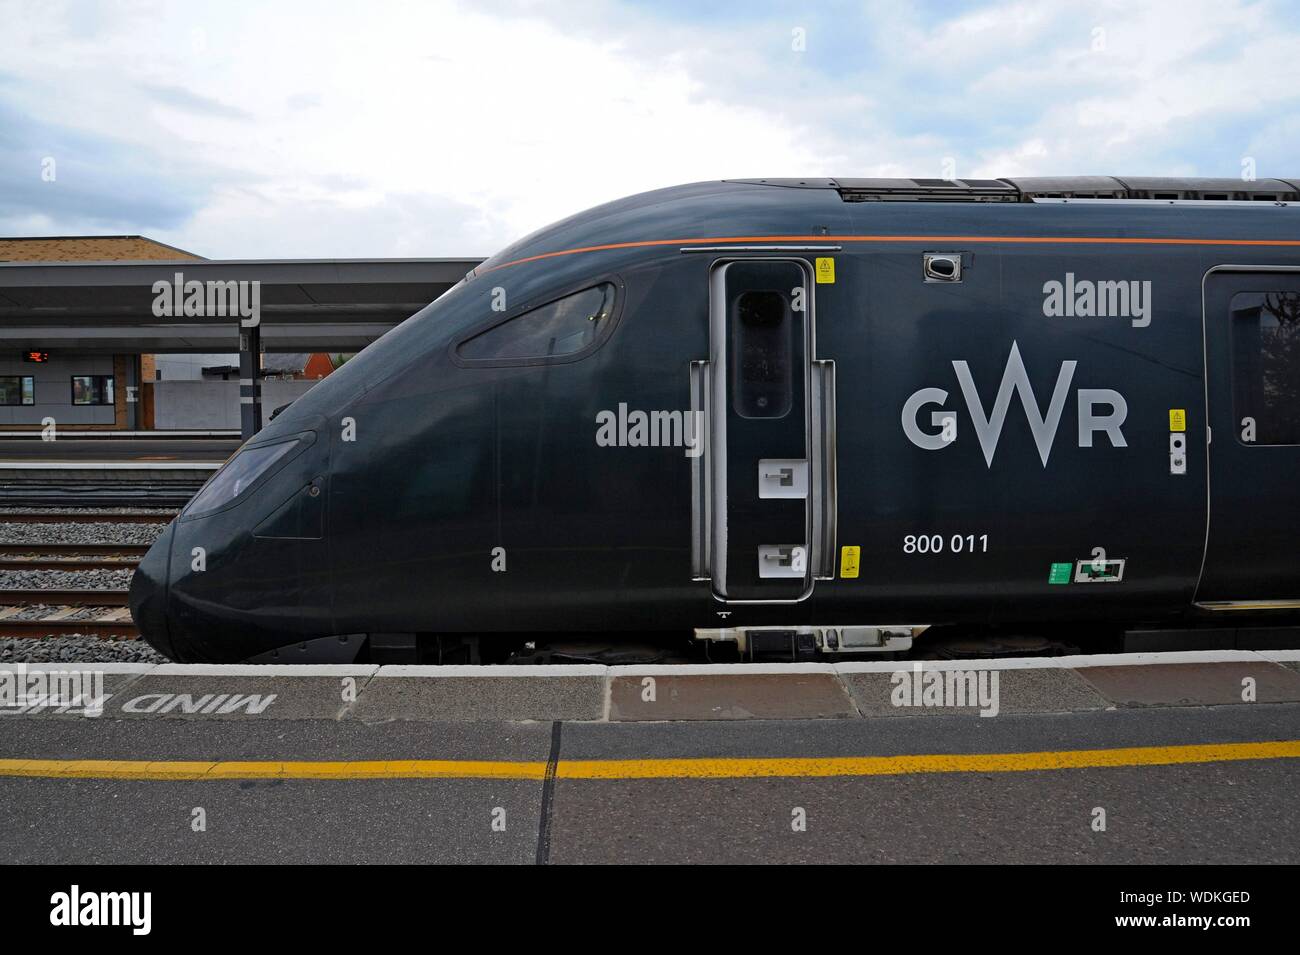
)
(238, 475)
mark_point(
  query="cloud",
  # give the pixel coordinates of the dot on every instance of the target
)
(182, 98)
(332, 129)
(62, 181)
(253, 223)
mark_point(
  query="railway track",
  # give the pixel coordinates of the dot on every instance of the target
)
(71, 556)
(65, 598)
(34, 612)
(101, 613)
(83, 517)
(114, 623)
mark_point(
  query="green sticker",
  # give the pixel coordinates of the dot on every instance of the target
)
(1060, 574)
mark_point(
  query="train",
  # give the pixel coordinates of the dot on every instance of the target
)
(786, 419)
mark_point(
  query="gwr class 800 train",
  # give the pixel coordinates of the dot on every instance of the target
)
(804, 417)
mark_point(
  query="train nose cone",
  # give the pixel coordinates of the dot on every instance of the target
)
(148, 597)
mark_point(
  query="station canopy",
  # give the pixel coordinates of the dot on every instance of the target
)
(306, 305)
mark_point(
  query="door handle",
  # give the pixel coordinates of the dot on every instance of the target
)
(701, 473)
(782, 478)
(782, 560)
(825, 511)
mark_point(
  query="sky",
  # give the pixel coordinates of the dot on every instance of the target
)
(438, 128)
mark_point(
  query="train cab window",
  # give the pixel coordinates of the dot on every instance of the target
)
(563, 327)
(1266, 367)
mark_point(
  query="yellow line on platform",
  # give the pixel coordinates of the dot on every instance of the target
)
(909, 765)
(703, 768)
(273, 769)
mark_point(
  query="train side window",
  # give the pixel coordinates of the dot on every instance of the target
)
(1266, 367)
(563, 327)
(762, 382)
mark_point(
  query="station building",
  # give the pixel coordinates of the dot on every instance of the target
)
(81, 388)
(80, 341)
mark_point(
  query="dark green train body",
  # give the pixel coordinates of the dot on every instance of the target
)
(837, 408)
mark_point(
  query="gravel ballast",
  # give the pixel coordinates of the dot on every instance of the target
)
(83, 649)
(96, 533)
(87, 648)
(65, 579)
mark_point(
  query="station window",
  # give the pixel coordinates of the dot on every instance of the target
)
(1266, 367)
(92, 389)
(563, 327)
(17, 390)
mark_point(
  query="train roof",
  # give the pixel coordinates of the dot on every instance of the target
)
(1027, 189)
(734, 209)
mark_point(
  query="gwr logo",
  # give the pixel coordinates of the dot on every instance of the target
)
(988, 428)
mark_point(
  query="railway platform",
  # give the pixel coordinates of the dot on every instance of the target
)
(1170, 757)
(90, 453)
(108, 467)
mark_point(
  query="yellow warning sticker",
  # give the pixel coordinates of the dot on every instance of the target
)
(826, 271)
(1177, 419)
(849, 561)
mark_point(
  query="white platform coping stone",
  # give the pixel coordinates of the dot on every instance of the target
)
(109, 669)
(265, 669)
(1280, 656)
(662, 669)
(503, 670)
(110, 465)
(719, 669)
(1056, 663)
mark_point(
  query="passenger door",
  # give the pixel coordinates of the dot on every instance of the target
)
(764, 502)
(1252, 343)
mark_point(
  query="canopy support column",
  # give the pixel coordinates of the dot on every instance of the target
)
(250, 381)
